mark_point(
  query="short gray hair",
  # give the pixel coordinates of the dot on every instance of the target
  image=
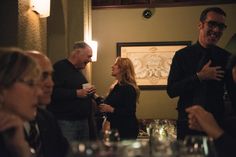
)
(80, 44)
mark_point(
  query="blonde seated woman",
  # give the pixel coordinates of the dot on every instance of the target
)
(19, 91)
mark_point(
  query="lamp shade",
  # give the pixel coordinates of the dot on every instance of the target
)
(94, 46)
(42, 7)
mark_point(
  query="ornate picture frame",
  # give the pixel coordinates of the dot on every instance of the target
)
(151, 60)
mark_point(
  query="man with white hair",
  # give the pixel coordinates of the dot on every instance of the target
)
(71, 103)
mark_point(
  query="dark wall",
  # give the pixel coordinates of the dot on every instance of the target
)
(8, 22)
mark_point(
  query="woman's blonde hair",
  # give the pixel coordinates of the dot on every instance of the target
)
(127, 73)
(15, 66)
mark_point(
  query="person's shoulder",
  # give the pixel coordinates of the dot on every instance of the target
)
(61, 65)
(60, 62)
(222, 51)
(127, 87)
(44, 114)
(186, 50)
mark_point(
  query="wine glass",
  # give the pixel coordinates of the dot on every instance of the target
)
(111, 137)
(198, 146)
(85, 148)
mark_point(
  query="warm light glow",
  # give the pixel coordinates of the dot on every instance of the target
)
(42, 7)
(94, 46)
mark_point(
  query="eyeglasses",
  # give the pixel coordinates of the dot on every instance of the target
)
(30, 83)
(214, 24)
(45, 75)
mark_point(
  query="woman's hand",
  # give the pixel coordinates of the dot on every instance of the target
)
(12, 130)
(105, 108)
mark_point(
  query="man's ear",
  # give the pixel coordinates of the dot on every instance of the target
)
(200, 25)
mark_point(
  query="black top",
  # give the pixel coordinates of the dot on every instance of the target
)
(183, 82)
(4, 151)
(53, 143)
(123, 99)
(226, 143)
(65, 104)
(225, 146)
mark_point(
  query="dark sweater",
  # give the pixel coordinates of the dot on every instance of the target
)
(225, 146)
(54, 144)
(4, 151)
(65, 104)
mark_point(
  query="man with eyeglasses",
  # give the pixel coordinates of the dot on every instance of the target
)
(44, 134)
(198, 73)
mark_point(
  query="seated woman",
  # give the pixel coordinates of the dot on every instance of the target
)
(19, 91)
(120, 104)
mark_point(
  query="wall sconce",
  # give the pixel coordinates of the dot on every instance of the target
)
(42, 7)
(94, 46)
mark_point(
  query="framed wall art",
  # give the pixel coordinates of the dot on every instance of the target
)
(151, 61)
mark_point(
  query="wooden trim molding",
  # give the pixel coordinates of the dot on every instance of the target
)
(106, 4)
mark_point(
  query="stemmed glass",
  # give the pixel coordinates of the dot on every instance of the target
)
(111, 135)
(110, 138)
(197, 146)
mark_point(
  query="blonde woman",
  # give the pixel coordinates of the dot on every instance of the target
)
(120, 104)
(19, 91)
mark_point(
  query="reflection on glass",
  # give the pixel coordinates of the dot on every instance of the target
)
(133, 148)
(198, 146)
(162, 130)
(111, 135)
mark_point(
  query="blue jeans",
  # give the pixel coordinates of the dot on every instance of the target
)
(75, 130)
